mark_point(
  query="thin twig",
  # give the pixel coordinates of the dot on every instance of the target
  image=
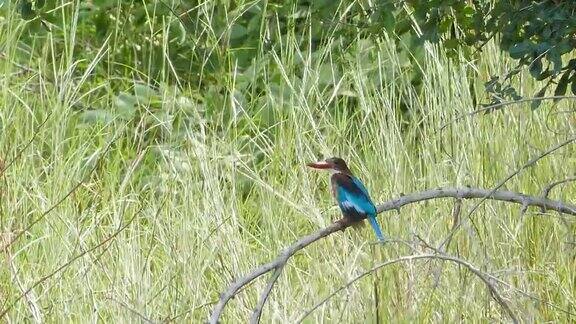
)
(175, 317)
(499, 105)
(215, 229)
(68, 194)
(484, 276)
(396, 204)
(444, 257)
(548, 188)
(131, 310)
(531, 162)
(455, 221)
(298, 245)
(546, 193)
(529, 295)
(69, 262)
(31, 298)
(19, 154)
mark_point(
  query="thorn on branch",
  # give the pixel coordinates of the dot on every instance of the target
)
(548, 188)
(523, 210)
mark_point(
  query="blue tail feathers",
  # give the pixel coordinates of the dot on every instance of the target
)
(376, 227)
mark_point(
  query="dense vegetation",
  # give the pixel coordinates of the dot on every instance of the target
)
(152, 151)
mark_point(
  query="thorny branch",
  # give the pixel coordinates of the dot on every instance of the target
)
(524, 203)
(548, 188)
(546, 193)
(278, 264)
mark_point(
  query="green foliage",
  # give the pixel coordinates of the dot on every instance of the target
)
(538, 34)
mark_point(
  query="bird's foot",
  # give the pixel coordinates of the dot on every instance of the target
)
(344, 222)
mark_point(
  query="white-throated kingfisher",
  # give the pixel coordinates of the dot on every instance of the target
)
(351, 195)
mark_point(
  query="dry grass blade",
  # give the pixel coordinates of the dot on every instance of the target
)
(67, 195)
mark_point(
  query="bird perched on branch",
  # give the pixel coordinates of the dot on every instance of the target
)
(351, 195)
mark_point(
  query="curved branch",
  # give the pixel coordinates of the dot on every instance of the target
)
(445, 257)
(258, 310)
(549, 187)
(531, 162)
(460, 193)
(282, 259)
(477, 193)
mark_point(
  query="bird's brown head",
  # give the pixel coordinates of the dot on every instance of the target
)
(334, 164)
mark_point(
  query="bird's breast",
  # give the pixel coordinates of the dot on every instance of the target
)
(334, 190)
(336, 182)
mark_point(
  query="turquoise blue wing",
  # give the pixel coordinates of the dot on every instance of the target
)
(354, 201)
(360, 185)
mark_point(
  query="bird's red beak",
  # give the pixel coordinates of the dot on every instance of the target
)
(319, 165)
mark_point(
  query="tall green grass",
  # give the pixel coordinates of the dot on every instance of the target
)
(207, 197)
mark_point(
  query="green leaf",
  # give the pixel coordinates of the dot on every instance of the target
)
(445, 24)
(573, 84)
(451, 43)
(39, 3)
(544, 75)
(238, 31)
(562, 84)
(96, 116)
(564, 46)
(328, 74)
(388, 20)
(542, 48)
(144, 92)
(519, 50)
(26, 10)
(468, 11)
(254, 25)
(536, 103)
(101, 23)
(547, 32)
(126, 105)
(554, 56)
(536, 68)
